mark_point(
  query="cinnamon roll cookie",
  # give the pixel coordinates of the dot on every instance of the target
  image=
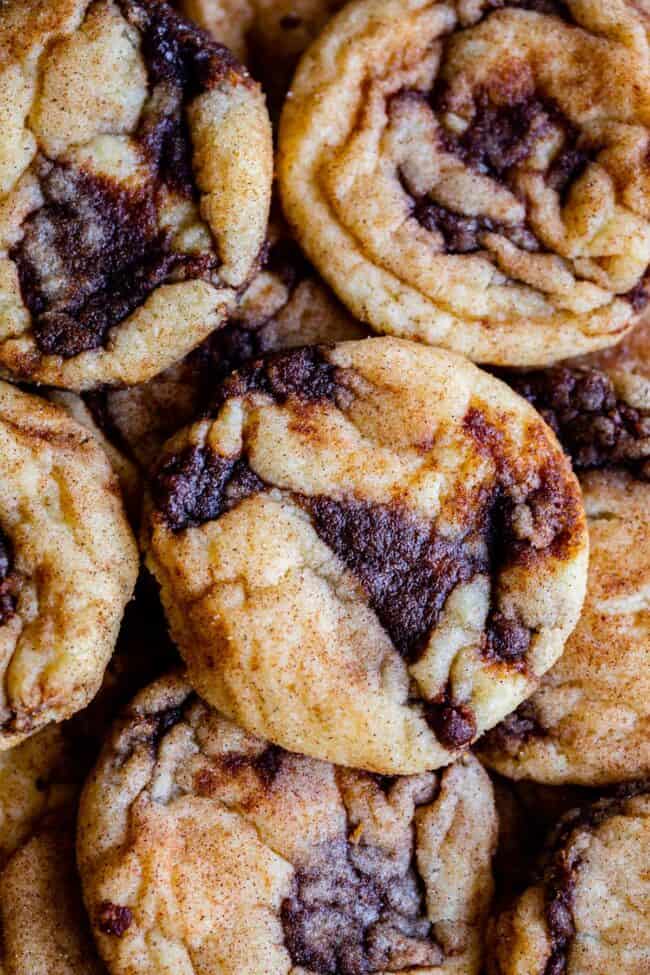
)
(589, 722)
(135, 178)
(368, 553)
(286, 305)
(68, 565)
(474, 173)
(204, 849)
(589, 911)
(44, 926)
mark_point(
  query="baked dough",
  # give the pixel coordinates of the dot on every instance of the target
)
(475, 174)
(68, 565)
(369, 553)
(135, 180)
(203, 849)
(588, 914)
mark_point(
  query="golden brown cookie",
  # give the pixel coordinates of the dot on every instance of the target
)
(126, 470)
(43, 775)
(43, 923)
(68, 565)
(628, 363)
(36, 778)
(368, 553)
(286, 305)
(135, 179)
(203, 849)
(588, 912)
(475, 174)
(589, 723)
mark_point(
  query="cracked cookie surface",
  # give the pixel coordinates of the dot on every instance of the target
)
(587, 912)
(368, 553)
(135, 176)
(203, 844)
(475, 174)
(68, 565)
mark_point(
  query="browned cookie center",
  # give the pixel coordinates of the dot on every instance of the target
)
(595, 426)
(94, 251)
(357, 909)
(7, 581)
(198, 485)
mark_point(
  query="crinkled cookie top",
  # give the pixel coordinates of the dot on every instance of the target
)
(475, 173)
(415, 507)
(205, 845)
(135, 171)
(68, 564)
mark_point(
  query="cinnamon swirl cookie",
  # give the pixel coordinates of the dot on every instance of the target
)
(68, 565)
(43, 923)
(135, 178)
(286, 305)
(474, 173)
(588, 912)
(589, 723)
(368, 553)
(204, 849)
(126, 470)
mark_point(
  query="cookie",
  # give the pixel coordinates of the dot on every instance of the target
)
(269, 35)
(587, 913)
(628, 364)
(589, 723)
(42, 777)
(203, 847)
(126, 470)
(44, 927)
(38, 777)
(286, 305)
(135, 179)
(475, 174)
(368, 553)
(599, 405)
(68, 564)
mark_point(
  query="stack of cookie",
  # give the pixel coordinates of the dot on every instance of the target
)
(324, 505)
